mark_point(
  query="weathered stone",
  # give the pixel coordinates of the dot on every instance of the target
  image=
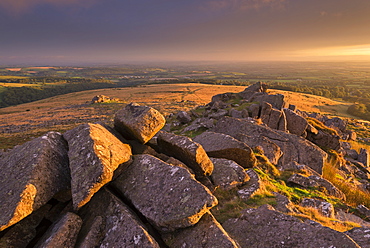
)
(329, 187)
(167, 195)
(252, 89)
(296, 124)
(21, 234)
(302, 181)
(103, 98)
(311, 129)
(254, 109)
(227, 174)
(204, 122)
(325, 208)
(294, 166)
(344, 216)
(364, 157)
(235, 113)
(325, 140)
(282, 125)
(277, 101)
(220, 145)
(187, 151)
(270, 149)
(183, 117)
(139, 148)
(63, 233)
(265, 112)
(316, 181)
(274, 119)
(264, 227)
(352, 154)
(217, 105)
(108, 222)
(361, 236)
(94, 155)
(292, 107)
(176, 162)
(31, 174)
(336, 123)
(192, 127)
(294, 148)
(283, 204)
(352, 135)
(251, 187)
(206, 233)
(138, 122)
(364, 210)
(219, 114)
(224, 97)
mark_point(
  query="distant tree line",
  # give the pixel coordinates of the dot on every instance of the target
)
(18, 95)
(359, 95)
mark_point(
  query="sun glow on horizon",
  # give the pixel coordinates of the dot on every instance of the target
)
(335, 51)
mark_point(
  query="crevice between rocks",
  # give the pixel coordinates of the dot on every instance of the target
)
(151, 230)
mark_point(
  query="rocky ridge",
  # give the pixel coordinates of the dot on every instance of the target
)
(136, 186)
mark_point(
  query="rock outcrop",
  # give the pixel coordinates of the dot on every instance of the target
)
(63, 233)
(187, 151)
(85, 189)
(94, 155)
(138, 122)
(108, 222)
(206, 233)
(31, 175)
(227, 174)
(294, 148)
(220, 145)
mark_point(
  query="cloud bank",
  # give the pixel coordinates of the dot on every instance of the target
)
(244, 4)
(22, 6)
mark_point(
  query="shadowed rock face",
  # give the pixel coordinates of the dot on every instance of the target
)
(63, 233)
(360, 235)
(206, 233)
(31, 174)
(220, 145)
(187, 151)
(138, 122)
(296, 124)
(168, 196)
(228, 174)
(108, 222)
(94, 155)
(265, 227)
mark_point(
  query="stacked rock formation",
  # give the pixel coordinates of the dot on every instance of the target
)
(136, 185)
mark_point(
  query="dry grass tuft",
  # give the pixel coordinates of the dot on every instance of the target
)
(313, 214)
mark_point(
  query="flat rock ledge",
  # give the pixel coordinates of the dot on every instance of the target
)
(168, 196)
(31, 175)
(220, 145)
(94, 155)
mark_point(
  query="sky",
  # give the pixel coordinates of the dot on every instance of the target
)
(122, 31)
